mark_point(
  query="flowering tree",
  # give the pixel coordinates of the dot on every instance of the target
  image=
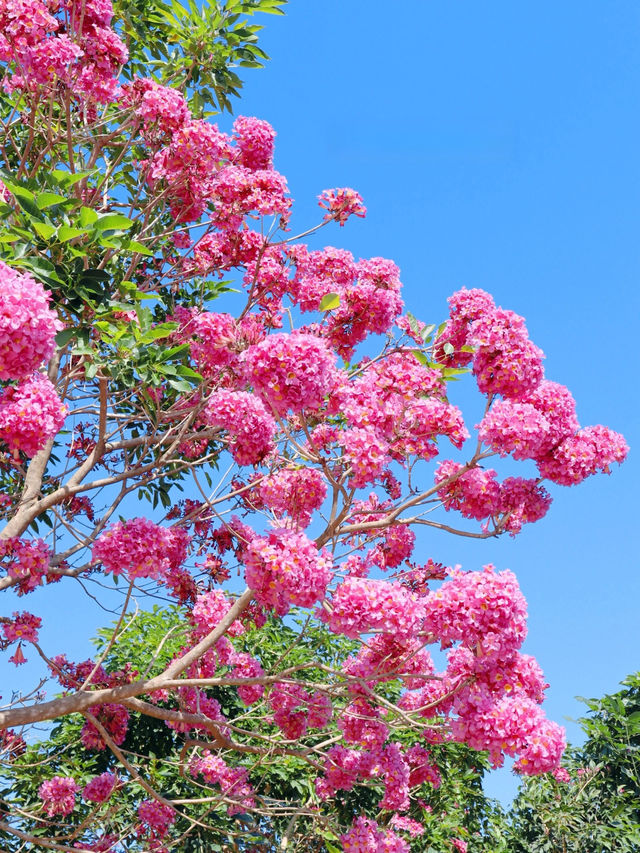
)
(303, 430)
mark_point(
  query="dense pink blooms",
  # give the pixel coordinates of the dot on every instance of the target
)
(156, 817)
(296, 492)
(291, 371)
(246, 666)
(506, 362)
(249, 425)
(207, 612)
(475, 492)
(141, 549)
(590, 450)
(31, 413)
(254, 142)
(100, 788)
(162, 110)
(483, 609)
(361, 725)
(58, 795)
(366, 453)
(27, 324)
(522, 502)
(187, 168)
(23, 626)
(114, 718)
(365, 836)
(232, 780)
(407, 824)
(25, 560)
(286, 568)
(296, 709)
(341, 203)
(360, 605)
(211, 339)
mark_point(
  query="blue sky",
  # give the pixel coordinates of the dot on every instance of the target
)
(496, 146)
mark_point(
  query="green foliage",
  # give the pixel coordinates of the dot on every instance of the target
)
(599, 809)
(195, 44)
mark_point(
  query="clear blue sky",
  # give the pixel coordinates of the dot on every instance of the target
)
(496, 146)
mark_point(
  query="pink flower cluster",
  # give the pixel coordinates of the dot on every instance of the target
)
(114, 718)
(23, 627)
(341, 203)
(26, 561)
(296, 492)
(77, 49)
(27, 325)
(58, 795)
(477, 494)
(207, 612)
(361, 605)
(232, 780)
(365, 836)
(286, 568)
(254, 143)
(291, 371)
(296, 709)
(590, 450)
(250, 427)
(156, 818)
(141, 549)
(31, 413)
(100, 788)
(479, 609)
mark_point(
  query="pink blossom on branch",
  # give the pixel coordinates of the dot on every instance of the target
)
(341, 203)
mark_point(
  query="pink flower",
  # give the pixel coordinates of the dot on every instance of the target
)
(295, 492)
(250, 426)
(31, 413)
(156, 817)
(23, 627)
(579, 456)
(286, 568)
(254, 141)
(361, 605)
(291, 371)
(27, 561)
(341, 203)
(114, 718)
(100, 788)
(58, 795)
(141, 549)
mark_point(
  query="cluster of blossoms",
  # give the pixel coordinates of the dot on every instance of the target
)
(114, 718)
(286, 568)
(31, 412)
(100, 788)
(141, 549)
(296, 492)
(47, 45)
(27, 324)
(232, 780)
(26, 561)
(365, 836)
(58, 795)
(296, 709)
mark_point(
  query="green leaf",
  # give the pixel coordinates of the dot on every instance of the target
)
(68, 179)
(87, 216)
(448, 348)
(68, 232)
(44, 230)
(329, 301)
(44, 200)
(64, 336)
(161, 331)
(113, 222)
